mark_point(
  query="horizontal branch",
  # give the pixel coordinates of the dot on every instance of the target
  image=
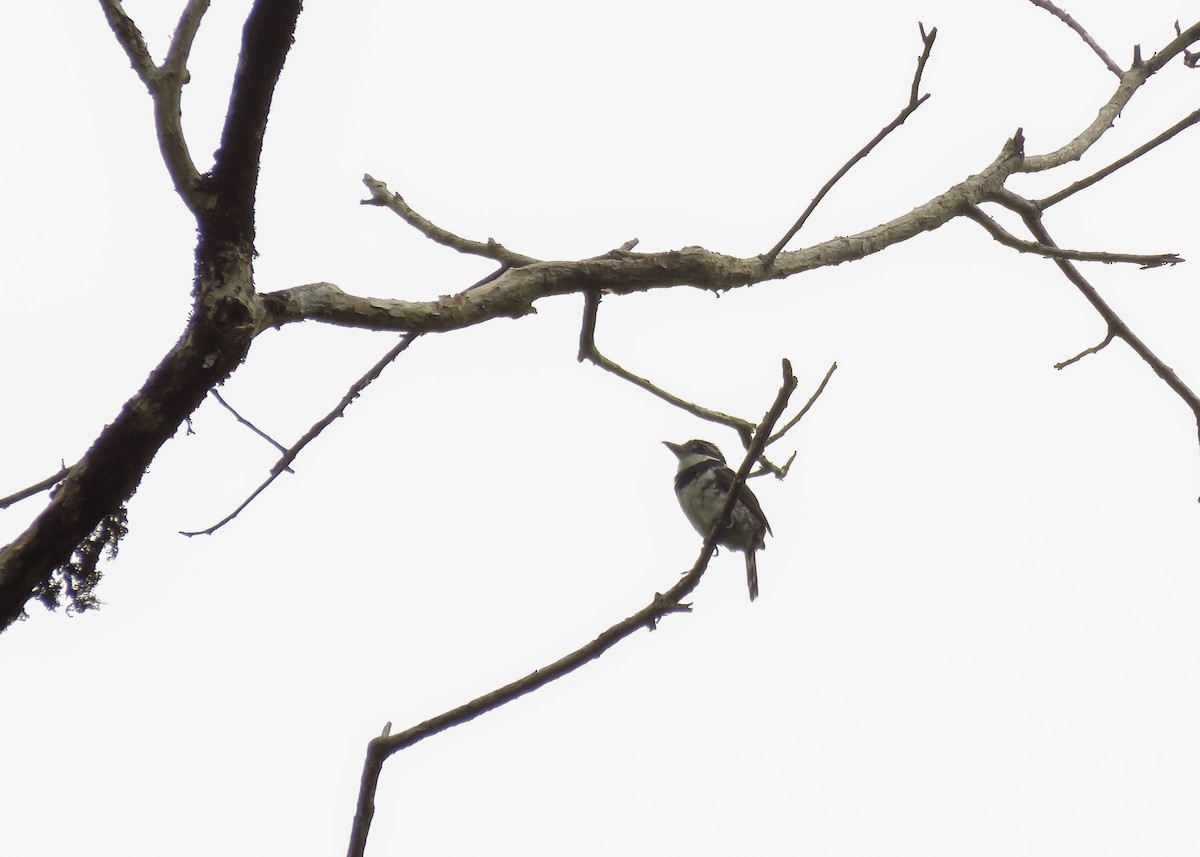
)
(1009, 240)
(512, 295)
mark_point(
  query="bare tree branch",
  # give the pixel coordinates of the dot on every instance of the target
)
(37, 488)
(228, 312)
(165, 85)
(914, 101)
(1190, 59)
(380, 195)
(589, 351)
(181, 43)
(279, 446)
(1006, 238)
(1117, 327)
(1083, 34)
(513, 294)
(289, 455)
(379, 749)
(1131, 81)
(807, 406)
(1085, 352)
(1055, 198)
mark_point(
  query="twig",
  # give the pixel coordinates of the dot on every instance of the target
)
(589, 351)
(1190, 59)
(1131, 82)
(38, 488)
(1117, 327)
(279, 446)
(1083, 34)
(1085, 352)
(380, 195)
(290, 454)
(807, 405)
(1055, 198)
(1009, 240)
(914, 101)
(379, 749)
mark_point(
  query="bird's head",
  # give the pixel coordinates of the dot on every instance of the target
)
(694, 451)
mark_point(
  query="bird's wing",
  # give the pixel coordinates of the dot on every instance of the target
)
(745, 496)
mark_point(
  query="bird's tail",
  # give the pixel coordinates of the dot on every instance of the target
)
(752, 573)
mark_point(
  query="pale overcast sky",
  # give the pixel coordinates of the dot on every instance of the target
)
(977, 633)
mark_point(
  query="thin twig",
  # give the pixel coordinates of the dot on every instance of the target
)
(589, 351)
(1083, 34)
(1006, 238)
(380, 195)
(279, 446)
(1055, 198)
(1085, 352)
(1190, 59)
(1116, 325)
(379, 749)
(290, 454)
(807, 405)
(914, 101)
(38, 488)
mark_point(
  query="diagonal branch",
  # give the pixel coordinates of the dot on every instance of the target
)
(1083, 34)
(379, 749)
(589, 351)
(380, 195)
(1131, 81)
(914, 101)
(1116, 325)
(37, 488)
(1055, 198)
(131, 39)
(807, 407)
(221, 400)
(289, 455)
(1094, 349)
(266, 39)
(1006, 238)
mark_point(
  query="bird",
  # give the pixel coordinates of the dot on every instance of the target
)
(702, 485)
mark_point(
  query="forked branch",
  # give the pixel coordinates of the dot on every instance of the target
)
(165, 84)
(915, 100)
(1117, 327)
(289, 454)
(1009, 240)
(381, 748)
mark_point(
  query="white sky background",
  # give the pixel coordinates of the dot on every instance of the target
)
(977, 633)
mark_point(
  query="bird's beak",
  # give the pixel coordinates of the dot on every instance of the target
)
(674, 447)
